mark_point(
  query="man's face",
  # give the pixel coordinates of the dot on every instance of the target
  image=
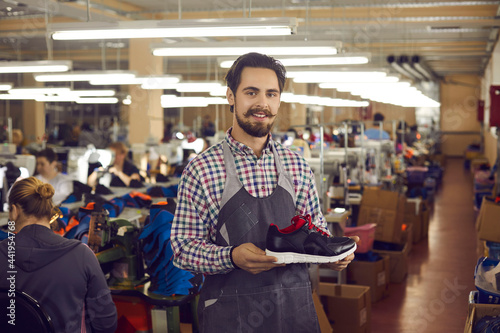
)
(256, 101)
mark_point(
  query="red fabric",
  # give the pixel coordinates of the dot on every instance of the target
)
(494, 106)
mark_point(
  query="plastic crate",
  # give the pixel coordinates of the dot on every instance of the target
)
(366, 235)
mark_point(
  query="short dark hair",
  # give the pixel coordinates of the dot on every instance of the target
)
(48, 153)
(256, 60)
(378, 117)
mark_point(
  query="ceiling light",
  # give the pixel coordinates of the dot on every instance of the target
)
(174, 28)
(85, 76)
(64, 98)
(39, 91)
(313, 61)
(143, 80)
(35, 66)
(339, 76)
(93, 93)
(276, 48)
(5, 86)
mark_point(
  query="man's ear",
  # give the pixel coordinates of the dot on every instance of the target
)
(230, 96)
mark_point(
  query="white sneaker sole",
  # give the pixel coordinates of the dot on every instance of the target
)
(295, 258)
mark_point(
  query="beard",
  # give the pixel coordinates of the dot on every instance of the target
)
(257, 129)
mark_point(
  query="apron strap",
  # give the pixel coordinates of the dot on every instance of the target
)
(233, 183)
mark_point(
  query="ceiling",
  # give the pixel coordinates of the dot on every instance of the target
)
(451, 37)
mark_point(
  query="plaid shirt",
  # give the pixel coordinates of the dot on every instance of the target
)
(200, 192)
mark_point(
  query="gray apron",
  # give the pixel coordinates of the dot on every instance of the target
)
(278, 300)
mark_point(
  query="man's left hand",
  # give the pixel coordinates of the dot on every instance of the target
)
(342, 264)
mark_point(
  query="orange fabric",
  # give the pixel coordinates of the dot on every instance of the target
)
(162, 203)
(143, 196)
(90, 205)
(73, 222)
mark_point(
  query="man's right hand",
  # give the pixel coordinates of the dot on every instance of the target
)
(252, 259)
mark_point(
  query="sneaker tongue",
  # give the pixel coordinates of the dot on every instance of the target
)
(299, 222)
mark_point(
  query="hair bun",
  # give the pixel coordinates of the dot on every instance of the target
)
(46, 191)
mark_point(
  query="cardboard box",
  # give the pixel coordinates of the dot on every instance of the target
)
(324, 323)
(478, 311)
(398, 263)
(374, 274)
(386, 209)
(488, 221)
(413, 216)
(348, 307)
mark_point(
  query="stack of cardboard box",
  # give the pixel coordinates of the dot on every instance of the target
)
(387, 210)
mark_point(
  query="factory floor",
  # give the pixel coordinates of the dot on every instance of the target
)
(434, 297)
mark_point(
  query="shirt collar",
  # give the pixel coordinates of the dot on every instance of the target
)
(242, 149)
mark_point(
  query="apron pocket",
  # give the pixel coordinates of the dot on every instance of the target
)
(237, 225)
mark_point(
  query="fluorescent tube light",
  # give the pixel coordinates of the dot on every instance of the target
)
(64, 98)
(39, 91)
(85, 76)
(276, 48)
(35, 66)
(5, 86)
(339, 76)
(143, 81)
(316, 61)
(92, 93)
(174, 28)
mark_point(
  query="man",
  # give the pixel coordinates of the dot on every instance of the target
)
(375, 133)
(228, 197)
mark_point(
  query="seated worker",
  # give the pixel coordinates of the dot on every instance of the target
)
(46, 167)
(122, 170)
(374, 132)
(63, 275)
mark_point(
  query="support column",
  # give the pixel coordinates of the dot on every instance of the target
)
(145, 114)
(291, 115)
(33, 114)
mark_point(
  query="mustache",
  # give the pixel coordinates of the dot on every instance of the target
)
(266, 112)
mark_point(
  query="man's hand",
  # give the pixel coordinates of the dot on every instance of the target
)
(342, 264)
(252, 259)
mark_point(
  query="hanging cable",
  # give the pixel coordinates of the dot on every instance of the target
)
(179, 9)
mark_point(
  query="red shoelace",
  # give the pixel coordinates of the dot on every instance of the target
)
(310, 225)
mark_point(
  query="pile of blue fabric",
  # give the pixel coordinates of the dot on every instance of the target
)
(487, 324)
(166, 279)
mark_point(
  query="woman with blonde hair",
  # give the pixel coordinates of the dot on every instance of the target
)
(63, 275)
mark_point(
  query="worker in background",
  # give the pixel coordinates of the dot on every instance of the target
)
(374, 133)
(232, 189)
(48, 172)
(18, 140)
(63, 275)
(123, 171)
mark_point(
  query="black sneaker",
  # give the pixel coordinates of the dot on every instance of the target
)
(303, 242)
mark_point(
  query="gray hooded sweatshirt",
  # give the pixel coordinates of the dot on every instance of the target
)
(64, 276)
